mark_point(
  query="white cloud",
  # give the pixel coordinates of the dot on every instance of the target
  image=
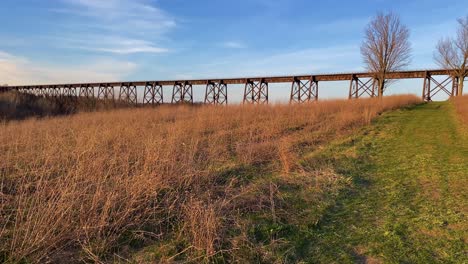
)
(115, 26)
(110, 44)
(15, 70)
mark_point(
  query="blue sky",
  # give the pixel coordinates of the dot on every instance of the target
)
(111, 40)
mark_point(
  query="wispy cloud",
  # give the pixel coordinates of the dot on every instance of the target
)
(234, 45)
(20, 70)
(303, 61)
(115, 26)
(109, 44)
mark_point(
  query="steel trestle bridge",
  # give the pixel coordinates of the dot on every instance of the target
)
(304, 88)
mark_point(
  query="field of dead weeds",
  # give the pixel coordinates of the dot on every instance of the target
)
(461, 106)
(170, 183)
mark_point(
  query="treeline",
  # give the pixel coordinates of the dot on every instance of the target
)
(17, 106)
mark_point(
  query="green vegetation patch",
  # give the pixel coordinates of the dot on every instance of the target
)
(407, 203)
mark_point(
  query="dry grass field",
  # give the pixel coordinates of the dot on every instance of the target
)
(461, 106)
(170, 183)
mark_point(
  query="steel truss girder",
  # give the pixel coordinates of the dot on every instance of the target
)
(128, 93)
(87, 91)
(256, 92)
(304, 91)
(182, 93)
(216, 93)
(106, 91)
(153, 94)
(359, 88)
(429, 92)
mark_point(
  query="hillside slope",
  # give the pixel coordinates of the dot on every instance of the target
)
(408, 201)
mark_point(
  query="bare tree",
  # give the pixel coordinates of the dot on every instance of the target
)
(386, 47)
(453, 53)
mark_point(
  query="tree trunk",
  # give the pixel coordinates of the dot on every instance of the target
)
(381, 87)
(460, 85)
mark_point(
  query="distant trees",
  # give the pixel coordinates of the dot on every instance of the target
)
(386, 47)
(452, 53)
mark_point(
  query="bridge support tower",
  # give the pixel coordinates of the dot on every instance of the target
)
(128, 93)
(153, 94)
(256, 92)
(216, 93)
(106, 92)
(304, 91)
(449, 86)
(359, 88)
(182, 93)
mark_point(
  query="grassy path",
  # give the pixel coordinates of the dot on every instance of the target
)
(408, 200)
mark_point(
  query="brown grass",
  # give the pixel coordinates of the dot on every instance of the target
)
(461, 106)
(84, 187)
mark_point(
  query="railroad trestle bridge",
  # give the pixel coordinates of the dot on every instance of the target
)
(304, 88)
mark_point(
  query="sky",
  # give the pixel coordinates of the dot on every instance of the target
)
(62, 41)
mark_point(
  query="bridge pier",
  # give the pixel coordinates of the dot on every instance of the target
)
(216, 93)
(106, 91)
(86, 91)
(358, 88)
(40, 92)
(55, 91)
(429, 92)
(304, 91)
(256, 92)
(182, 93)
(69, 91)
(455, 81)
(128, 93)
(153, 94)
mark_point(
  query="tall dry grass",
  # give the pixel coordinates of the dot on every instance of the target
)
(461, 106)
(84, 187)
